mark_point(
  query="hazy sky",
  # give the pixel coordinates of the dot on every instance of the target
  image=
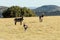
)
(29, 3)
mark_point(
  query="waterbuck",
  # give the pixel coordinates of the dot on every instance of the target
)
(19, 20)
(25, 26)
(41, 18)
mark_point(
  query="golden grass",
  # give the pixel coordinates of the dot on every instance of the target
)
(49, 29)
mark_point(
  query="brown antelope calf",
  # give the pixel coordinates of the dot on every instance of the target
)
(25, 26)
(41, 18)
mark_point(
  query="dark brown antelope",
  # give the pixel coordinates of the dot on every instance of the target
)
(19, 20)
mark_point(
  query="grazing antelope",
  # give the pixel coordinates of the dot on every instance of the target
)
(25, 26)
(41, 18)
(18, 20)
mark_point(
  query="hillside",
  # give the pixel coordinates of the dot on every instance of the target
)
(32, 7)
(48, 10)
(2, 8)
(49, 29)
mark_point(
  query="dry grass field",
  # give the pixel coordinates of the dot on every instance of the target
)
(49, 29)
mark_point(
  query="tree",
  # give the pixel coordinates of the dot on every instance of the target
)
(28, 12)
(13, 11)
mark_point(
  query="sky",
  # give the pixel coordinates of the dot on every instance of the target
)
(29, 3)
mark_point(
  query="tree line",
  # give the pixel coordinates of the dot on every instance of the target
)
(16, 11)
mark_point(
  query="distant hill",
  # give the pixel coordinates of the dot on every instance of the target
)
(2, 8)
(32, 7)
(48, 10)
